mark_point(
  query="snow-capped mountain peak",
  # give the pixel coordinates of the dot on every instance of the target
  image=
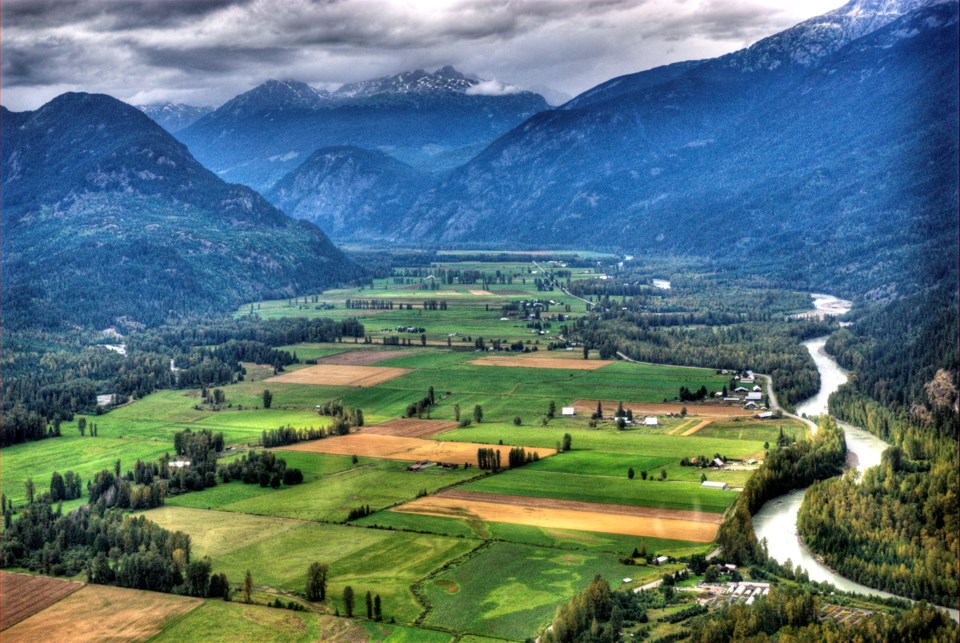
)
(444, 80)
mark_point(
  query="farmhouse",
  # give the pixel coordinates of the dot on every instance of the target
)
(568, 411)
(712, 484)
(741, 389)
(750, 405)
(650, 421)
(659, 560)
(756, 388)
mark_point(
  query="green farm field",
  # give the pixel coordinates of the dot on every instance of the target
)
(327, 496)
(659, 494)
(228, 622)
(511, 591)
(277, 551)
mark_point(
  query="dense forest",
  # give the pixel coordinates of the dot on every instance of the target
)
(50, 377)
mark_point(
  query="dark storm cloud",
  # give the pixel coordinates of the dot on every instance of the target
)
(204, 52)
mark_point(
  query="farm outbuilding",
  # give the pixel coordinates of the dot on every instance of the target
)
(754, 397)
(651, 421)
(568, 411)
(712, 484)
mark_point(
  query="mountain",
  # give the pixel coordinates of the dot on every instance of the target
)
(431, 121)
(173, 117)
(349, 192)
(106, 216)
(801, 151)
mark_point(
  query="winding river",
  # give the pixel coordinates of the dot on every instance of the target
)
(777, 519)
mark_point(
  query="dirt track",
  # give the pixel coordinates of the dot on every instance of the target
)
(410, 428)
(541, 362)
(391, 447)
(340, 375)
(23, 595)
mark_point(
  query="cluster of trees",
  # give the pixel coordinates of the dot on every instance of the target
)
(109, 489)
(289, 435)
(421, 406)
(344, 417)
(359, 512)
(112, 548)
(488, 459)
(263, 468)
(518, 457)
(799, 465)
(596, 615)
(369, 304)
(686, 395)
(68, 486)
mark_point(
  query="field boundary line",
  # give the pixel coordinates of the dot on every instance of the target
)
(417, 588)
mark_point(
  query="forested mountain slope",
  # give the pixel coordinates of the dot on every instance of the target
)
(107, 216)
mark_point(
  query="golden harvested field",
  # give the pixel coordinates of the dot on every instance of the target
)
(22, 595)
(543, 512)
(410, 428)
(542, 362)
(340, 375)
(362, 357)
(697, 427)
(391, 447)
(660, 408)
(102, 613)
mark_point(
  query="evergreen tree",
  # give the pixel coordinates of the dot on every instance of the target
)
(348, 601)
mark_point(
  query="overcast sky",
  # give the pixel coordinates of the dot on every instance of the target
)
(204, 52)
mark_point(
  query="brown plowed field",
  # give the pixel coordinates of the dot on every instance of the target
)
(533, 513)
(362, 357)
(578, 505)
(22, 595)
(410, 428)
(391, 447)
(102, 613)
(542, 362)
(659, 408)
(339, 375)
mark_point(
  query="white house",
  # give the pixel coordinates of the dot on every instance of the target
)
(650, 421)
(741, 389)
(750, 405)
(567, 411)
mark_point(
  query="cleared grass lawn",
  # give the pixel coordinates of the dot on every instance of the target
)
(529, 535)
(229, 622)
(100, 613)
(756, 430)
(330, 497)
(599, 463)
(587, 488)
(512, 591)
(631, 441)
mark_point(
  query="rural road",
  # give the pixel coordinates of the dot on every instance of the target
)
(562, 289)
